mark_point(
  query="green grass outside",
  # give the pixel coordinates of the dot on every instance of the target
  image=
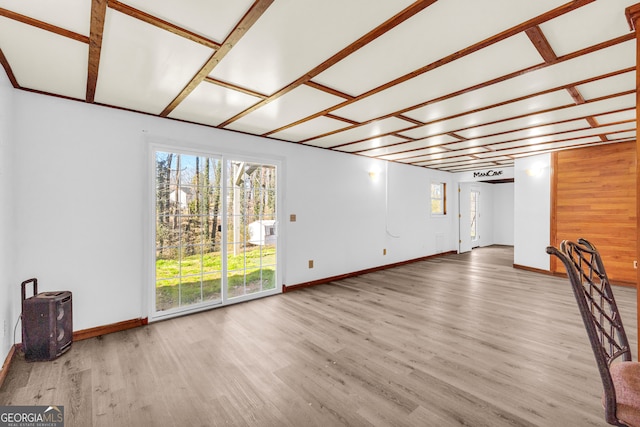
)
(244, 276)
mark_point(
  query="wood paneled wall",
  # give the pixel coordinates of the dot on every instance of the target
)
(594, 197)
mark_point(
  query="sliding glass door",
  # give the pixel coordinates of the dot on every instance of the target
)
(215, 231)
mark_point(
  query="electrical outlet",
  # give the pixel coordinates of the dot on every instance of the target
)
(384, 252)
(310, 263)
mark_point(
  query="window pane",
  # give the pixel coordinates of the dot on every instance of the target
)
(436, 191)
(436, 206)
(211, 285)
(438, 198)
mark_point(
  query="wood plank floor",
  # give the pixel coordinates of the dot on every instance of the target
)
(455, 340)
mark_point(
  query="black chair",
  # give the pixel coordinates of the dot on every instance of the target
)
(620, 375)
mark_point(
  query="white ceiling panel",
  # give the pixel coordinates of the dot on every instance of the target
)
(536, 132)
(212, 104)
(478, 164)
(578, 111)
(371, 144)
(569, 33)
(416, 43)
(603, 87)
(437, 128)
(359, 133)
(447, 164)
(563, 136)
(44, 61)
(533, 149)
(622, 135)
(614, 129)
(465, 72)
(461, 161)
(143, 67)
(617, 117)
(452, 106)
(562, 146)
(412, 145)
(72, 15)
(415, 153)
(297, 104)
(281, 40)
(436, 161)
(464, 144)
(442, 155)
(501, 159)
(311, 128)
(541, 140)
(213, 19)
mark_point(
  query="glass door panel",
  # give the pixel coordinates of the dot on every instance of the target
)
(251, 225)
(474, 215)
(188, 256)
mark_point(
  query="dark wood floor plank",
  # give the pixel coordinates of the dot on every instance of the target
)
(458, 340)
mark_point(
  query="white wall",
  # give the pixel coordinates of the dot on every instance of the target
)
(503, 213)
(9, 289)
(80, 187)
(532, 211)
(345, 219)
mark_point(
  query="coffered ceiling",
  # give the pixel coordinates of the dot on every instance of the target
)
(446, 84)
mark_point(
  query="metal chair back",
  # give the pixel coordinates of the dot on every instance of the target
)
(599, 312)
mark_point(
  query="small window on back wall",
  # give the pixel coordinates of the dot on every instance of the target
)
(438, 198)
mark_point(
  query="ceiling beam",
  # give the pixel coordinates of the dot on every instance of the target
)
(391, 23)
(234, 87)
(576, 95)
(342, 119)
(579, 99)
(247, 21)
(98, 12)
(160, 23)
(327, 89)
(43, 25)
(541, 44)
